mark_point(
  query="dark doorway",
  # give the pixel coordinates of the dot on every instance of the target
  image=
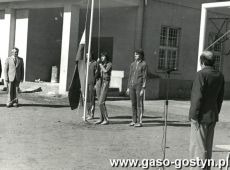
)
(106, 44)
(44, 43)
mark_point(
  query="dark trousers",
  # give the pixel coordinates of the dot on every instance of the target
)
(201, 142)
(13, 92)
(137, 103)
(101, 101)
(91, 99)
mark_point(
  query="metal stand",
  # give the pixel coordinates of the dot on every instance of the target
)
(166, 112)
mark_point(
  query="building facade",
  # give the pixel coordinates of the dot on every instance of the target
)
(48, 32)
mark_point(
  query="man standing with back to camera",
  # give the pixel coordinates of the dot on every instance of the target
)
(206, 101)
(14, 74)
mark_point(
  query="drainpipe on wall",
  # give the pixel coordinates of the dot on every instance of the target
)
(139, 24)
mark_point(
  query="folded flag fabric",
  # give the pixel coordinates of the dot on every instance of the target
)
(77, 85)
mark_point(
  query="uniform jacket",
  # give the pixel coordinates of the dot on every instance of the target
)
(14, 69)
(138, 74)
(207, 95)
(107, 74)
(92, 72)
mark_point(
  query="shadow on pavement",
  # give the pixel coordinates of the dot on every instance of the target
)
(170, 123)
(43, 105)
(130, 117)
(151, 122)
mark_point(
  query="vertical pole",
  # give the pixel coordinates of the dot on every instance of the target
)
(139, 24)
(89, 55)
(166, 117)
(203, 22)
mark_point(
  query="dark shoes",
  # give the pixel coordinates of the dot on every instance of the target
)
(4, 89)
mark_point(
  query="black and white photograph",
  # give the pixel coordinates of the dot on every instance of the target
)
(115, 84)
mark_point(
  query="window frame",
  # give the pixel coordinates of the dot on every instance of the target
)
(217, 53)
(165, 46)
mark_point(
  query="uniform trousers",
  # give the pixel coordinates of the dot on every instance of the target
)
(201, 142)
(101, 100)
(91, 99)
(137, 102)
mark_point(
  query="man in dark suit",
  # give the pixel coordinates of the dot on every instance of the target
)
(206, 100)
(14, 74)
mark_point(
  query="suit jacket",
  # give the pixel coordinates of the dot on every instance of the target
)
(14, 71)
(207, 95)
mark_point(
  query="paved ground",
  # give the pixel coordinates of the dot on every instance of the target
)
(44, 134)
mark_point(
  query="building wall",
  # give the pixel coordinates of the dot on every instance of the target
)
(44, 43)
(176, 16)
(118, 23)
(187, 17)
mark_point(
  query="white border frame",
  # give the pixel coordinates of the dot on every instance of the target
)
(203, 22)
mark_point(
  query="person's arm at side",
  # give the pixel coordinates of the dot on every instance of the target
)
(220, 96)
(22, 71)
(6, 69)
(196, 98)
(95, 73)
(144, 71)
(130, 72)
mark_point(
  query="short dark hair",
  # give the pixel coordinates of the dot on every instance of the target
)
(104, 53)
(141, 53)
(207, 58)
(93, 57)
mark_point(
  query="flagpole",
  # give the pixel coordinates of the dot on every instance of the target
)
(89, 55)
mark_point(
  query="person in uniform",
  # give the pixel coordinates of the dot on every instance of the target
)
(91, 87)
(105, 75)
(136, 86)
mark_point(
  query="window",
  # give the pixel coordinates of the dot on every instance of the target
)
(169, 47)
(217, 64)
(217, 50)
